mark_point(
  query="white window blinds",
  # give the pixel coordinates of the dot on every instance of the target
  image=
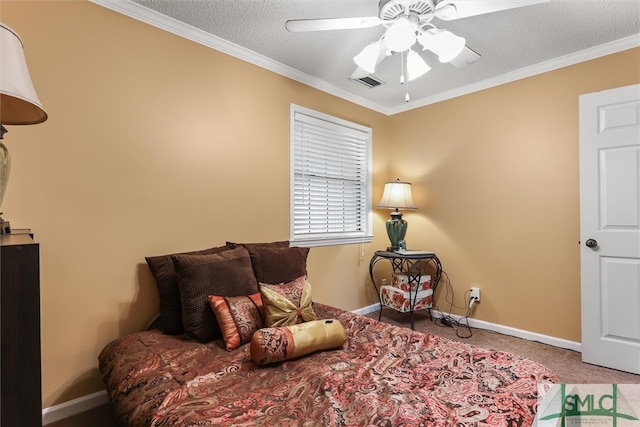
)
(331, 180)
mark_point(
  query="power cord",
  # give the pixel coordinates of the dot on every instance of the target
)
(448, 298)
(447, 320)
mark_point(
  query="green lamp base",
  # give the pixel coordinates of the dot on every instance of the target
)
(396, 230)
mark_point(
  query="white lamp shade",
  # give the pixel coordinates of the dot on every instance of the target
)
(397, 195)
(449, 45)
(368, 58)
(427, 39)
(415, 65)
(19, 104)
(400, 36)
(443, 43)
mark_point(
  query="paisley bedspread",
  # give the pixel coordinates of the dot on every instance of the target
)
(383, 376)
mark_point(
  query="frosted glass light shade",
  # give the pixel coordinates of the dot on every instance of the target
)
(449, 45)
(427, 39)
(400, 36)
(368, 58)
(443, 43)
(416, 66)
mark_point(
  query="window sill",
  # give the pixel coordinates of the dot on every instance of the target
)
(335, 241)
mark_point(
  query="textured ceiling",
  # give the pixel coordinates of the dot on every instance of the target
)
(513, 43)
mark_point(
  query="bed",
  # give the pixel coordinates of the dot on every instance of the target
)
(383, 375)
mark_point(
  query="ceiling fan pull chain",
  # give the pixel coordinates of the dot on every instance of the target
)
(403, 69)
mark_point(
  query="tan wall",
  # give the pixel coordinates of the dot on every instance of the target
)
(496, 178)
(154, 144)
(147, 151)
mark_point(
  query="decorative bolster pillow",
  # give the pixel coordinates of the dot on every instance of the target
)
(269, 345)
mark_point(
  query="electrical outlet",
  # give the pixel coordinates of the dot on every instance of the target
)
(475, 293)
(384, 282)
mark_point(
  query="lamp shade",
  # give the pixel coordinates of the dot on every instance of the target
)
(397, 195)
(416, 66)
(368, 58)
(443, 43)
(401, 35)
(19, 104)
(449, 44)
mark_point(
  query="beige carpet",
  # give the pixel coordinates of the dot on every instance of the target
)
(565, 363)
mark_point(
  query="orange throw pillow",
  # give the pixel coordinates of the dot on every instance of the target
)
(238, 317)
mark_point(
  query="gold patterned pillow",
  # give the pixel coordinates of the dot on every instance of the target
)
(269, 345)
(287, 304)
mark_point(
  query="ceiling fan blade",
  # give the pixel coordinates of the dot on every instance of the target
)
(467, 57)
(302, 25)
(449, 10)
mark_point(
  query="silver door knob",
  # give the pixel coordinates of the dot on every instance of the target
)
(591, 243)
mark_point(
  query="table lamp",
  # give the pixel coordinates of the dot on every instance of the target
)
(397, 195)
(19, 104)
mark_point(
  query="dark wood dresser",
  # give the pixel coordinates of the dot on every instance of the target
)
(20, 382)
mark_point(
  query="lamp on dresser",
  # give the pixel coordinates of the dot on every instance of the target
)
(397, 195)
(19, 104)
(20, 370)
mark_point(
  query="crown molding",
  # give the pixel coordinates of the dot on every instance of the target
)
(156, 19)
(540, 68)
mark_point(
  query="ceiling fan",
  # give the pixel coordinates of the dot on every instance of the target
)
(408, 22)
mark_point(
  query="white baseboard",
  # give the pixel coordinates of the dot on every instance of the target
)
(368, 309)
(85, 403)
(506, 330)
(73, 407)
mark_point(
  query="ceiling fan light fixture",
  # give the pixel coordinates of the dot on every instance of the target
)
(416, 66)
(407, 22)
(427, 38)
(449, 45)
(367, 59)
(447, 11)
(401, 35)
(443, 43)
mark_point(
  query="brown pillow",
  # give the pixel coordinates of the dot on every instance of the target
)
(226, 273)
(256, 250)
(249, 246)
(238, 317)
(277, 264)
(163, 270)
(287, 304)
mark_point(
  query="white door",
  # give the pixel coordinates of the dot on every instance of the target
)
(610, 227)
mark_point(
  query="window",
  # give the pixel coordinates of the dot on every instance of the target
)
(330, 180)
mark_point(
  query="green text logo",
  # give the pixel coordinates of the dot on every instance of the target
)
(577, 407)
